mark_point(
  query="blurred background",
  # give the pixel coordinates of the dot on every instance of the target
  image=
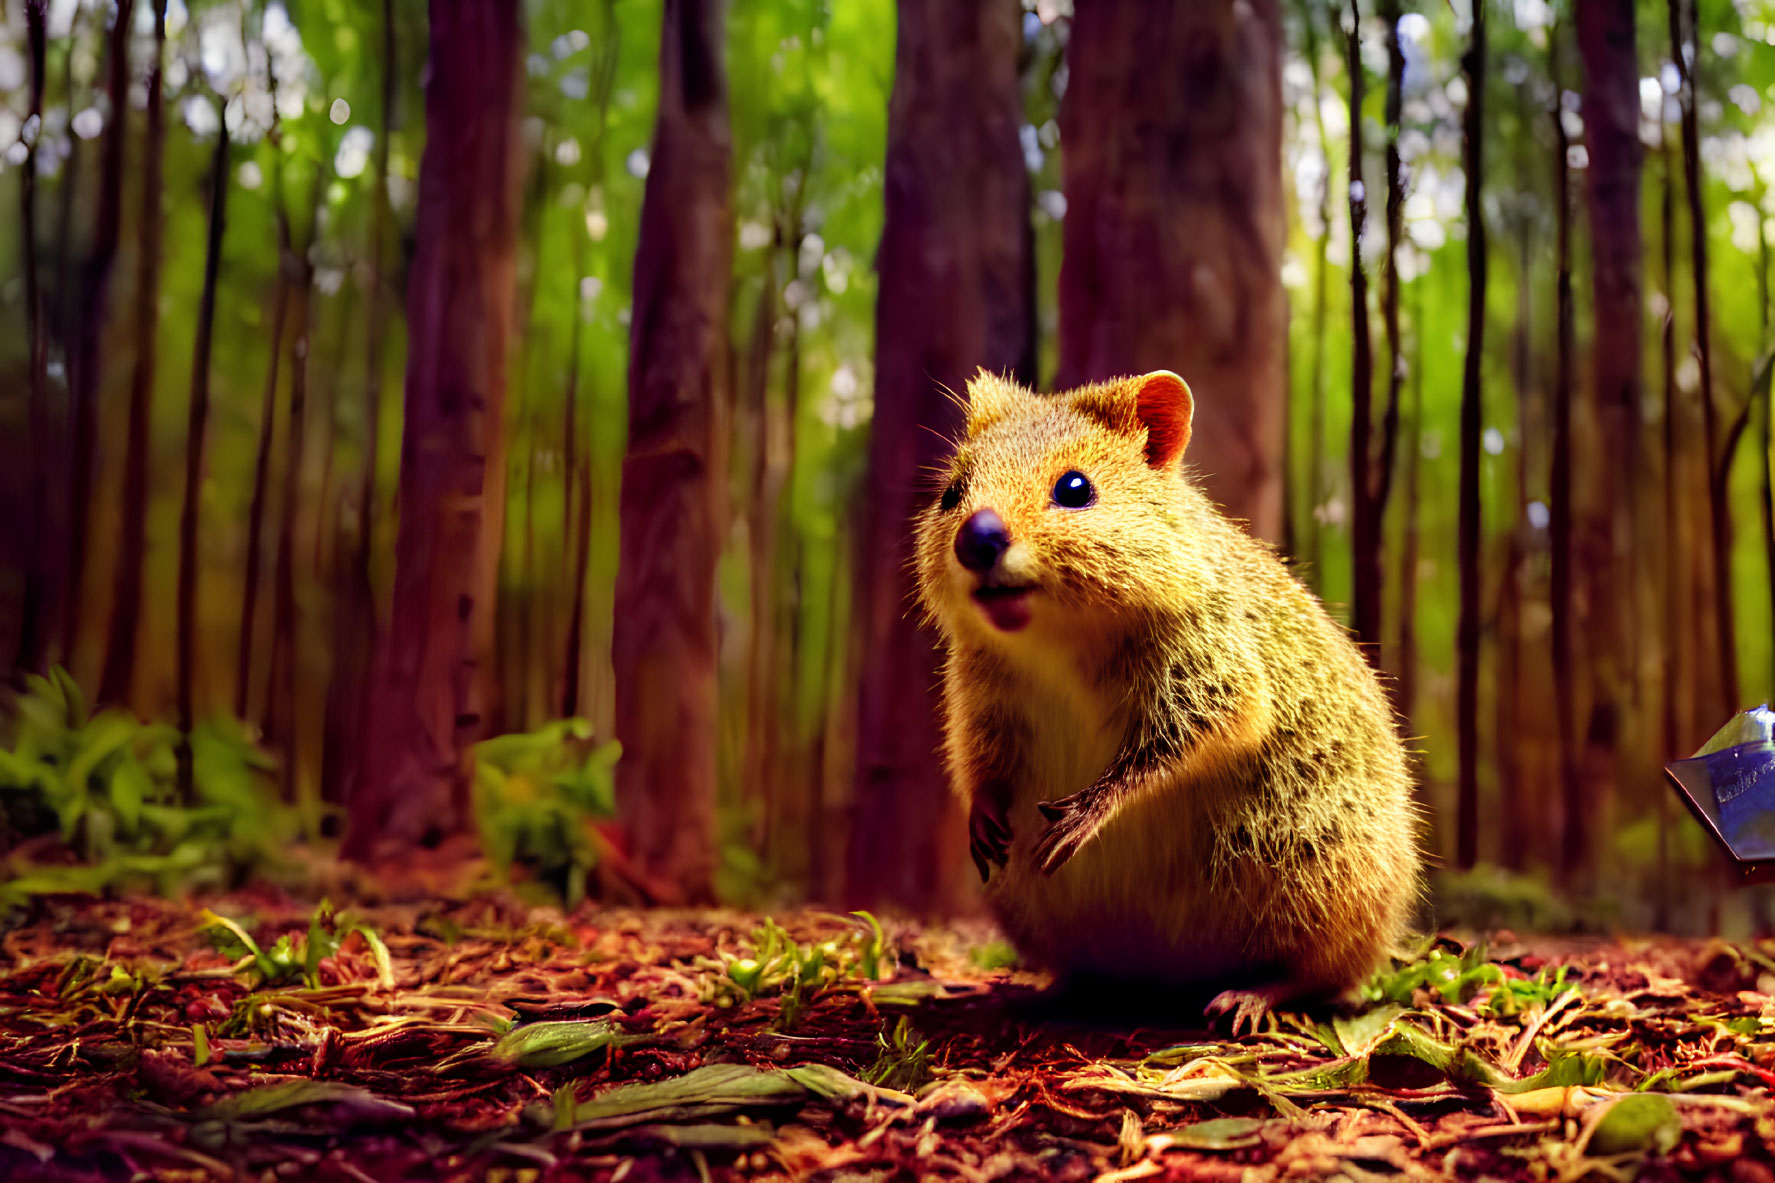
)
(333, 332)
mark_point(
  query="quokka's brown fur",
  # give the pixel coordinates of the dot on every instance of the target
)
(1196, 751)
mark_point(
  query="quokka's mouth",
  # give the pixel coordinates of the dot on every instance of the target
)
(1006, 607)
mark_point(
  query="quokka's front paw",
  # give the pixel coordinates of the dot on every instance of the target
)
(989, 833)
(1072, 821)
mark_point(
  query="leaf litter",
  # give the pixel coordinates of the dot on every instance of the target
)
(263, 1038)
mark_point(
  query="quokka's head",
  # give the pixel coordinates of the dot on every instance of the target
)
(1059, 513)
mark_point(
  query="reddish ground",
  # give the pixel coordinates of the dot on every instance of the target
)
(489, 1040)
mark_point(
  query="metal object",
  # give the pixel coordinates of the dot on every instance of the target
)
(1729, 785)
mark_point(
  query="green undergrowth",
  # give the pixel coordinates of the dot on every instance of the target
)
(90, 800)
(799, 973)
(90, 804)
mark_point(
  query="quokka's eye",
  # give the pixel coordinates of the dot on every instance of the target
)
(951, 496)
(1074, 491)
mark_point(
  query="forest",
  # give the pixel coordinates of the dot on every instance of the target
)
(1554, 537)
(476, 443)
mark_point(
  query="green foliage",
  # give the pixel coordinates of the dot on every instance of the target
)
(537, 795)
(1457, 977)
(798, 974)
(994, 955)
(1512, 996)
(1636, 1124)
(297, 958)
(105, 785)
(905, 1060)
(552, 1044)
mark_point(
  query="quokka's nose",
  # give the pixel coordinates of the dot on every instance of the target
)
(981, 540)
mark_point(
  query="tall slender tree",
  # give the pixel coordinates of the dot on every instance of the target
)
(664, 647)
(126, 596)
(1678, 697)
(1472, 413)
(83, 362)
(1365, 532)
(1573, 823)
(1372, 460)
(1606, 45)
(31, 609)
(196, 425)
(280, 306)
(427, 697)
(1685, 51)
(1173, 233)
(956, 293)
(1319, 456)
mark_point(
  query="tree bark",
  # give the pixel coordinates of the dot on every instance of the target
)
(1172, 121)
(1406, 663)
(663, 648)
(955, 294)
(29, 653)
(1319, 459)
(577, 494)
(1472, 408)
(1718, 465)
(249, 601)
(83, 367)
(1678, 696)
(282, 702)
(1365, 534)
(196, 424)
(126, 597)
(1611, 108)
(1573, 823)
(425, 706)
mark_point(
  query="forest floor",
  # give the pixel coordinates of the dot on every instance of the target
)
(260, 1037)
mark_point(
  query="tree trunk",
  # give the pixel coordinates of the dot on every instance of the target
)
(663, 648)
(577, 493)
(29, 653)
(955, 293)
(249, 598)
(425, 705)
(1573, 822)
(196, 424)
(1319, 459)
(83, 365)
(1606, 575)
(1718, 465)
(1174, 224)
(354, 594)
(126, 598)
(1365, 532)
(1472, 407)
(1678, 696)
(282, 703)
(1406, 662)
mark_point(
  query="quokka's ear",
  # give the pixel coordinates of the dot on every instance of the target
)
(1163, 402)
(990, 398)
(1158, 404)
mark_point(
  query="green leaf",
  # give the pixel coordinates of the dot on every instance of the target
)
(1359, 1033)
(70, 695)
(1220, 1133)
(130, 787)
(358, 1103)
(99, 740)
(1636, 1124)
(711, 1087)
(551, 1044)
(697, 1136)
(825, 1081)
